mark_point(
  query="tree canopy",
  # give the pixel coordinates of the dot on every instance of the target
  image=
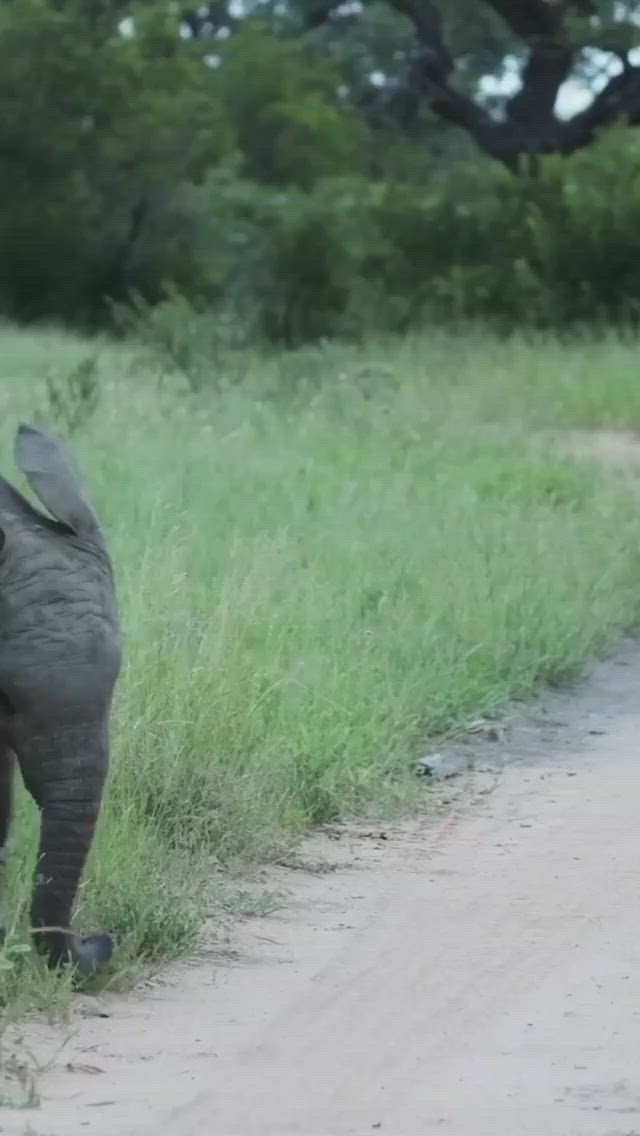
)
(146, 145)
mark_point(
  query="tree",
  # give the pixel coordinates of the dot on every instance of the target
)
(97, 133)
(291, 125)
(557, 40)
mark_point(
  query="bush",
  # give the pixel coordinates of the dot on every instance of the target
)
(354, 254)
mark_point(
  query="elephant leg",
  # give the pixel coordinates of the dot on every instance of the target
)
(7, 764)
(68, 793)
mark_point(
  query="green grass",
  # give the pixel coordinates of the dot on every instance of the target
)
(318, 569)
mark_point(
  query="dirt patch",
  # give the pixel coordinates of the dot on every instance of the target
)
(614, 448)
(474, 972)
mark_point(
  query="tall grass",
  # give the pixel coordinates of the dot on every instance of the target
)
(318, 569)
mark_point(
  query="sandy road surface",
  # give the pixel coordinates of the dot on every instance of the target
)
(477, 973)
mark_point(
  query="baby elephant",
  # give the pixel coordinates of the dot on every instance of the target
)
(59, 662)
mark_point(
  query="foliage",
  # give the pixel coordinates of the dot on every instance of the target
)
(96, 133)
(70, 398)
(176, 339)
(551, 250)
(292, 127)
(246, 184)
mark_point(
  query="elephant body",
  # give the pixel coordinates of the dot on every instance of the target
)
(59, 662)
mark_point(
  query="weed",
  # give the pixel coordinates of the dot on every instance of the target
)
(71, 398)
(176, 339)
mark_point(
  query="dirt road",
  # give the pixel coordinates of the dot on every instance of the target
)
(477, 973)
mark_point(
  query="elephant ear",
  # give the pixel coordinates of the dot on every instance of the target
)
(54, 476)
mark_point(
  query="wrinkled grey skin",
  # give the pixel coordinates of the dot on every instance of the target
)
(59, 661)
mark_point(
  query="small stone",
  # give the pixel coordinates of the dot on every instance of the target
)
(442, 765)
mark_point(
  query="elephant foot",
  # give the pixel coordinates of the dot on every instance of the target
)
(85, 954)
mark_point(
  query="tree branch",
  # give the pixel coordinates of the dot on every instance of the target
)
(318, 13)
(529, 19)
(531, 126)
(618, 102)
(428, 79)
(548, 66)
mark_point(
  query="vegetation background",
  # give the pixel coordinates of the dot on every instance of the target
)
(304, 168)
